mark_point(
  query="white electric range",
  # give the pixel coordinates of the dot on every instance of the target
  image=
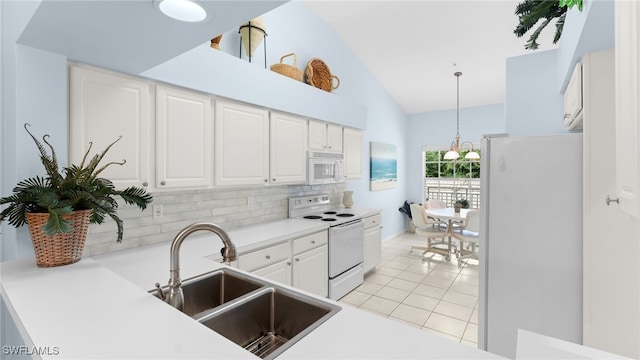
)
(346, 240)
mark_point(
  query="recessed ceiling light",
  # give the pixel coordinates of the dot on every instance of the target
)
(183, 10)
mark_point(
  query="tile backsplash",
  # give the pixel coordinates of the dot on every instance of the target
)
(229, 208)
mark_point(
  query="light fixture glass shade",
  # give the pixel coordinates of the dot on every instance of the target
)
(451, 155)
(472, 155)
(183, 10)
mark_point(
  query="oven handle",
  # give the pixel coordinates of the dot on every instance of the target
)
(347, 224)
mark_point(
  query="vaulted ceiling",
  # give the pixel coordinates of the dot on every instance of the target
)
(414, 47)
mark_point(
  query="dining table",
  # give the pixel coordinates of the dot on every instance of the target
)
(449, 215)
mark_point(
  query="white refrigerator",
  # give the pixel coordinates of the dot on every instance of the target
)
(531, 239)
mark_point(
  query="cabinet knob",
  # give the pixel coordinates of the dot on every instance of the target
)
(313, 241)
(274, 179)
(289, 263)
(268, 257)
(163, 183)
(298, 259)
(266, 180)
(145, 184)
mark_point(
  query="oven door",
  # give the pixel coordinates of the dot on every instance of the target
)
(346, 246)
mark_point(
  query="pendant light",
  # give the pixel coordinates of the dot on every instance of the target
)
(454, 151)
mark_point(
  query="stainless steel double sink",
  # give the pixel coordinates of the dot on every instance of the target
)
(262, 317)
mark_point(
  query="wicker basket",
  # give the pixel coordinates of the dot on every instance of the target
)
(319, 75)
(60, 249)
(288, 70)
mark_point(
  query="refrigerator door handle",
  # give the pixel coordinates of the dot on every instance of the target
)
(608, 200)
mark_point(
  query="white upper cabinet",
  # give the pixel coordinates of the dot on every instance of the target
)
(102, 107)
(183, 138)
(288, 163)
(353, 153)
(241, 144)
(627, 57)
(573, 100)
(324, 136)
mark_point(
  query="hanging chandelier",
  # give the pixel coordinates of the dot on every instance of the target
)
(454, 151)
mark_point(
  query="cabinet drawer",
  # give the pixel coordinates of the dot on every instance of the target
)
(264, 257)
(310, 241)
(372, 221)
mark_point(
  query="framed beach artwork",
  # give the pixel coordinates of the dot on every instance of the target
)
(383, 173)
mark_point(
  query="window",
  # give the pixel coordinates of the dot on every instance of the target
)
(451, 180)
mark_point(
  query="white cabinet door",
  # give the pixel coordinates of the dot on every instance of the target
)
(372, 242)
(241, 145)
(324, 136)
(353, 153)
(279, 272)
(627, 55)
(310, 271)
(288, 144)
(334, 138)
(573, 100)
(102, 107)
(317, 135)
(183, 138)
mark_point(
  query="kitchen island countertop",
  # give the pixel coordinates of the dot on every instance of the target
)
(100, 308)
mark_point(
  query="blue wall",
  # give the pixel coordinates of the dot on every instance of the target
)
(438, 128)
(533, 102)
(584, 31)
(359, 101)
(34, 91)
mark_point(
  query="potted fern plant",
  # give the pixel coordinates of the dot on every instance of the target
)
(460, 204)
(59, 207)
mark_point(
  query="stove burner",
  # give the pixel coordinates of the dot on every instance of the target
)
(345, 215)
(313, 217)
(329, 212)
(328, 219)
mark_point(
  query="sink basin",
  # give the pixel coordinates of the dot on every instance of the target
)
(269, 321)
(210, 290)
(262, 317)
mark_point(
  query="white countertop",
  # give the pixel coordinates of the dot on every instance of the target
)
(100, 308)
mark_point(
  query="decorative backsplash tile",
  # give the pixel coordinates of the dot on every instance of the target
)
(226, 207)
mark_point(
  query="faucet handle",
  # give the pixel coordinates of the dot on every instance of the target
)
(228, 253)
(160, 292)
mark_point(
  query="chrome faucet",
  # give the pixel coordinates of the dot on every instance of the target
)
(174, 296)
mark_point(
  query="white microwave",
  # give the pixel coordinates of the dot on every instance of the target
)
(325, 168)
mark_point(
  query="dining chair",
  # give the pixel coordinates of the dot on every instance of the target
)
(469, 235)
(431, 229)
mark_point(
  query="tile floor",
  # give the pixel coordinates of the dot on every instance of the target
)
(429, 293)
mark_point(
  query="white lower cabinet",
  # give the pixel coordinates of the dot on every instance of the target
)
(372, 242)
(308, 271)
(311, 267)
(279, 272)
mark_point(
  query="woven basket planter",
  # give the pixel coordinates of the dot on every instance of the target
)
(60, 249)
